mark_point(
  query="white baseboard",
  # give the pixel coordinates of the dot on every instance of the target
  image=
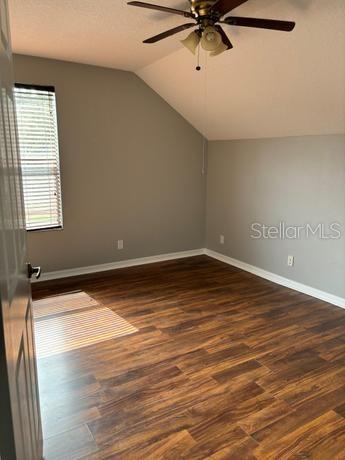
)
(313, 292)
(121, 264)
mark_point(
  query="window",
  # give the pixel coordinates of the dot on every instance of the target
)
(39, 152)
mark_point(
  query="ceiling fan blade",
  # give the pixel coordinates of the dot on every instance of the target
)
(225, 38)
(164, 9)
(272, 24)
(224, 6)
(170, 32)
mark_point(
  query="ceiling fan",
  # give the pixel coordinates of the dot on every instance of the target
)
(207, 16)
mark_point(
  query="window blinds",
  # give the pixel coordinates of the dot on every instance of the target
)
(39, 152)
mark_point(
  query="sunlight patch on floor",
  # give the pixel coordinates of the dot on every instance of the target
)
(59, 328)
(62, 303)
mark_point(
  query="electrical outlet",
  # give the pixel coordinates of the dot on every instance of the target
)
(221, 239)
(119, 244)
(291, 261)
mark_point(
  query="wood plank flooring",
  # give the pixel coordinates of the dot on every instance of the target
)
(225, 365)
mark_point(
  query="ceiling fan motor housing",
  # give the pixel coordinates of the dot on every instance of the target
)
(202, 8)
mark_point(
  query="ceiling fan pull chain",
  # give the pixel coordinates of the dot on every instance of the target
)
(198, 59)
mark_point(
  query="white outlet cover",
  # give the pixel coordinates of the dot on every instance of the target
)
(221, 239)
(291, 261)
(119, 244)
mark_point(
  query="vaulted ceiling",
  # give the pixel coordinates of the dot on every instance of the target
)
(271, 84)
(108, 33)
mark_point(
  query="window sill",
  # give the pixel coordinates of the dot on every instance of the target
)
(47, 229)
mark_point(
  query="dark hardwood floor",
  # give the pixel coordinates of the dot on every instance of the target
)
(225, 365)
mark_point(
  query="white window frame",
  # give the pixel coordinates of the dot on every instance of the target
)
(52, 160)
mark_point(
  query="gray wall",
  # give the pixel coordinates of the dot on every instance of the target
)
(297, 180)
(130, 165)
(131, 170)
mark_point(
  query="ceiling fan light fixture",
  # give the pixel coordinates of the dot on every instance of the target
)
(221, 48)
(211, 39)
(191, 42)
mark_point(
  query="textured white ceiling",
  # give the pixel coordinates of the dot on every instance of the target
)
(271, 84)
(108, 33)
